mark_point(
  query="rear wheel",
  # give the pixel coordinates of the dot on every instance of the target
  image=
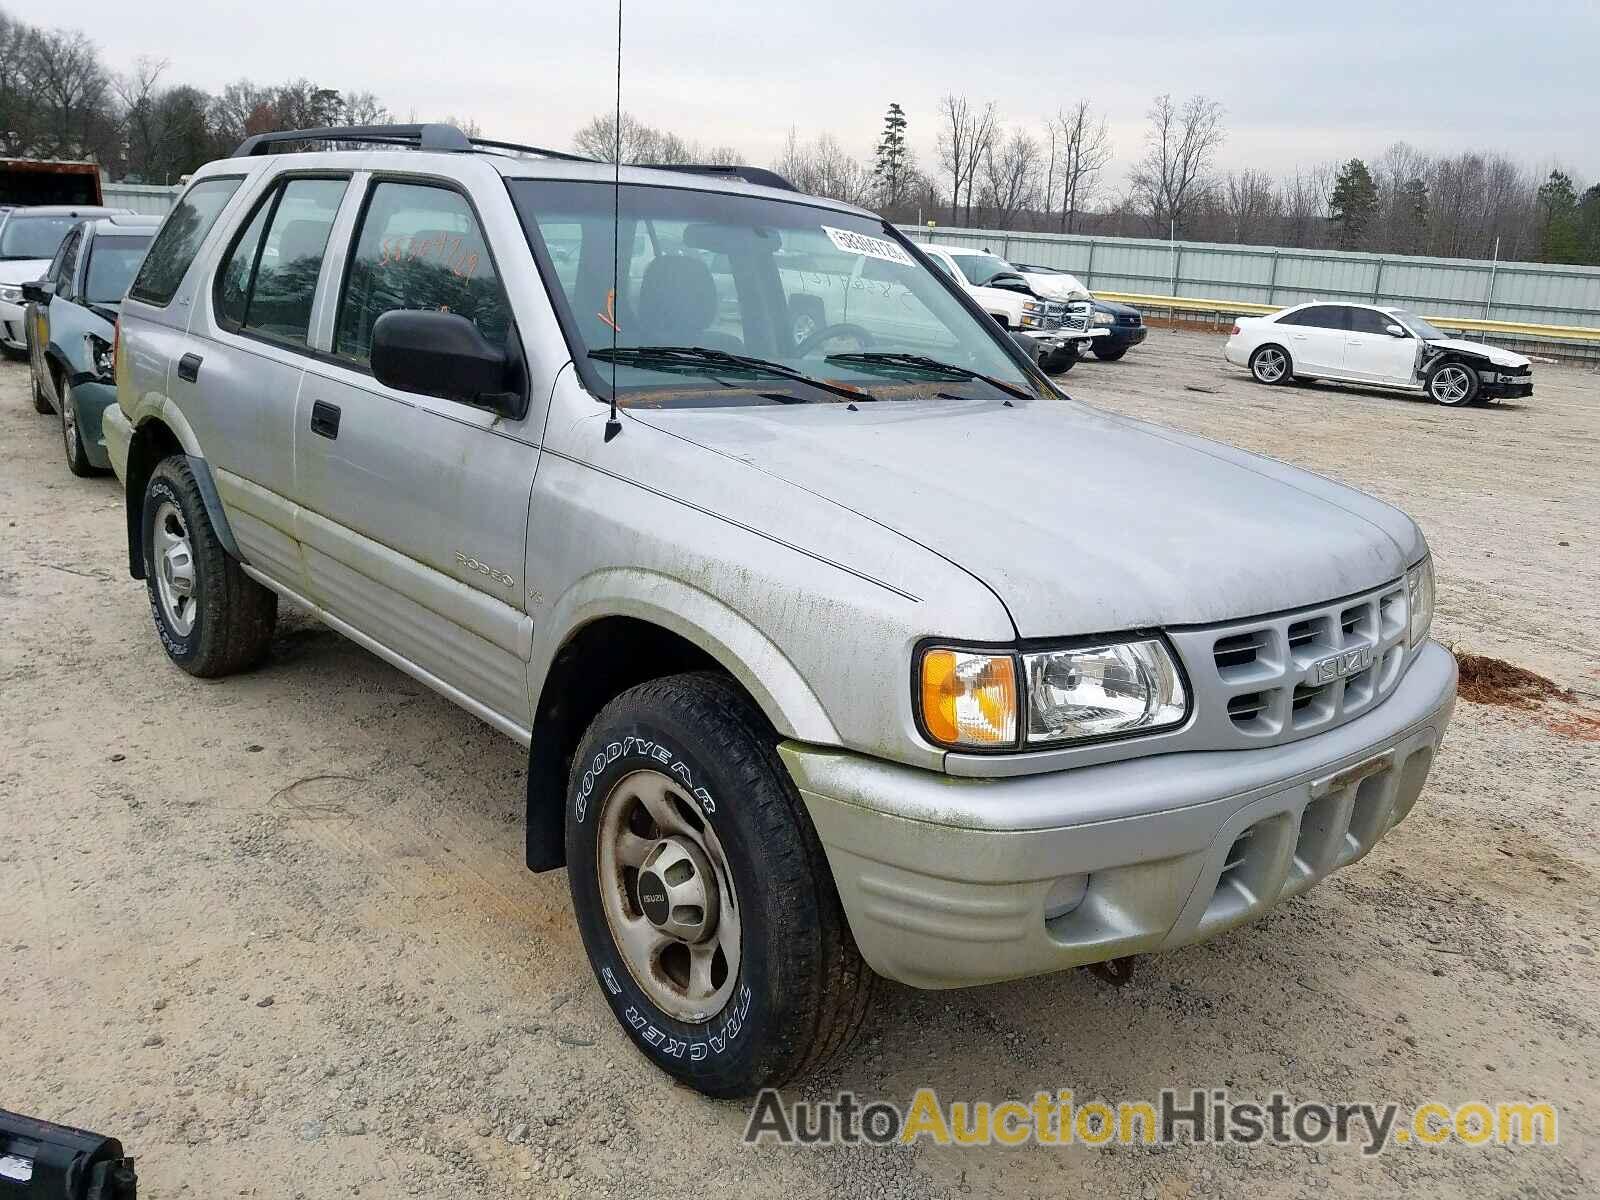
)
(1453, 384)
(72, 436)
(213, 618)
(1271, 364)
(702, 893)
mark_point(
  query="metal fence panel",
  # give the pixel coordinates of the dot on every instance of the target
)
(152, 200)
(1533, 293)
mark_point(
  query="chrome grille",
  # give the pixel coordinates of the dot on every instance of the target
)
(1275, 679)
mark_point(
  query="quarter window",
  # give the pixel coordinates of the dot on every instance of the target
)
(179, 240)
(269, 281)
(420, 248)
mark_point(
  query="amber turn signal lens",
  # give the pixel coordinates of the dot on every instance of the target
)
(969, 699)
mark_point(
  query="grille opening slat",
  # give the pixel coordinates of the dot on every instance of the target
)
(1352, 620)
(1239, 649)
(1246, 708)
(1238, 853)
(1305, 696)
(1302, 633)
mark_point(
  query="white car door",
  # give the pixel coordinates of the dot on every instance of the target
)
(1374, 354)
(1315, 337)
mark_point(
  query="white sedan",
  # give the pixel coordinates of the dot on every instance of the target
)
(1385, 347)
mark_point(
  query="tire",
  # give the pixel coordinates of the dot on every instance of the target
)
(1271, 364)
(72, 436)
(806, 317)
(1110, 353)
(1058, 362)
(685, 770)
(1451, 383)
(212, 618)
(41, 402)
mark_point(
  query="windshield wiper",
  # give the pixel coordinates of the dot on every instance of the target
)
(921, 362)
(671, 357)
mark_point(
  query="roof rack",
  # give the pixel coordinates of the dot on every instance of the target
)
(422, 137)
(757, 175)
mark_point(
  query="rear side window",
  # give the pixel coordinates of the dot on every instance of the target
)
(419, 247)
(1320, 316)
(269, 279)
(179, 240)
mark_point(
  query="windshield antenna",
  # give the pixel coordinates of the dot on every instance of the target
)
(613, 425)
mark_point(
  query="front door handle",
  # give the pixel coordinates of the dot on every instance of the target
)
(325, 419)
(189, 368)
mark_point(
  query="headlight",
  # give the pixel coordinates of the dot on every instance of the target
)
(1101, 318)
(1032, 306)
(1093, 691)
(1419, 600)
(10, 294)
(104, 364)
(969, 699)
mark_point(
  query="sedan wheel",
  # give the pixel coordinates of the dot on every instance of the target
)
(1270, 364)
(1453, 384)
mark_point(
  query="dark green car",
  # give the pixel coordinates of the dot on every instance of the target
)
(71, 327)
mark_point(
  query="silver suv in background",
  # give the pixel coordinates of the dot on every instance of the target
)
(859, 652)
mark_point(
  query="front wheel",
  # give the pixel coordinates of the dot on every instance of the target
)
(213, 618)
(41, 402)
(1109, 353)
(1271, 365)
(702, 893)
(78, 461)
(1453, 384)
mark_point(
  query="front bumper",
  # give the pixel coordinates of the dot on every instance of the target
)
(945, 881)
(1506, 388)
(13, 335)
(1128, 335)
(93, 397)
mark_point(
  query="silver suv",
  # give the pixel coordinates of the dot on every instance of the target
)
(859, 653)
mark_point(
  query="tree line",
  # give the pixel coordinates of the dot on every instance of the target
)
(59, 99)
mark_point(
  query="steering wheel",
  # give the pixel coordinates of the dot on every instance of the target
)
(809, 345)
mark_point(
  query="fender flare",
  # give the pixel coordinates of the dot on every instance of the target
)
(168, 416)
(751, 657)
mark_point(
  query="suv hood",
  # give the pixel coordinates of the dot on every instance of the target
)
(23, 270)
(1499, 357)
(1079, 521)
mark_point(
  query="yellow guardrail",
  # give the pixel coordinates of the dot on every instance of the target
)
(1554, 333)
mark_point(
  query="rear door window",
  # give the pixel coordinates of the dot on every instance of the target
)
(1320, 316)
(419, 247)
(268, 281)
(66, 264)
(179, 240)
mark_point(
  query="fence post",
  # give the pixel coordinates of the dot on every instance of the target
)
(1377, 281)
(1177, 265)
(1088, 272)
(1272, 280)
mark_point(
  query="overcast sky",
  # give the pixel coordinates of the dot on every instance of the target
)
(1302, 83)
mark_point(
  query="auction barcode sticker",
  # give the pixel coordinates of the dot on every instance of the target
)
(861, 243)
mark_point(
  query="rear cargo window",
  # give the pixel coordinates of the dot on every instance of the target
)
(179, 240)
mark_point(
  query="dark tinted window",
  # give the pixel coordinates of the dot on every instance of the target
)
(269, 280)
(112, 263)
(419, 247)
(24, 237)
(66, 259)
(179, 240)
(1319, 316)
(1369, 320)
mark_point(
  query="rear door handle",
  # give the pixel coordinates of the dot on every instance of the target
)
(189, 367)
(325, 419)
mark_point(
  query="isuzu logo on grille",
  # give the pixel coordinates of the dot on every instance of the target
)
(1337, 666)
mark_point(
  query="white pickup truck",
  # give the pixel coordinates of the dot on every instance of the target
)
(1061, 329)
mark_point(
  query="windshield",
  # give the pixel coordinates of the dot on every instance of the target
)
(980, 268)
(737, 299)
(112, 263)
(1421, 328)
(33, 237)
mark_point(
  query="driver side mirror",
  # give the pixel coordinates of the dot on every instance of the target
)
(1396, 331)
(38, 291)
(443, 354)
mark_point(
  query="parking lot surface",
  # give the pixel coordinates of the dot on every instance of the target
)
(275, 933)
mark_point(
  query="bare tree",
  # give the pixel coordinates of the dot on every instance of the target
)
(1180, 146)
(643, 143)
(1010, 171)
(963, 142)
(1305, 206)
(1250, 206)
(823, 168)
(73, 90)
(1085, 150)
(139, 91)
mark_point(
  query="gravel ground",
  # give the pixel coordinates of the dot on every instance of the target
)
(275, 932)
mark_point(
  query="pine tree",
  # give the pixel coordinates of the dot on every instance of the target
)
(1558, 219)
(1353, 205)
(890, 165)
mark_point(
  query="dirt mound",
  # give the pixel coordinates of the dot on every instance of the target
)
(1486, 680)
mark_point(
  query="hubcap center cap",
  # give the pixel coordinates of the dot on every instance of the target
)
(677, 890)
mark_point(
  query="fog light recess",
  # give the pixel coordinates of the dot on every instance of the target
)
(1065, 895)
